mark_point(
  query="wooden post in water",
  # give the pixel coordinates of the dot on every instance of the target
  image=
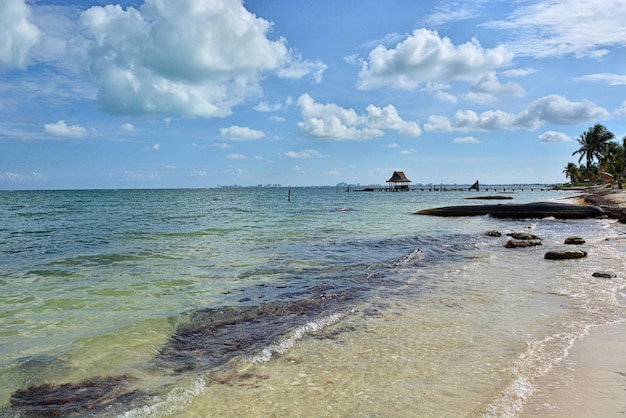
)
(289, 196)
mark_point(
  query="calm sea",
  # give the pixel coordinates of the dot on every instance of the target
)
(238, 302)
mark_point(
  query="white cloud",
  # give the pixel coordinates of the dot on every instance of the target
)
(621, 111)
(553, 136)
(236, 157)
(563, 27)
(425, 57)
(8, 177)
(18, 35)
(552, 109)
(438, 123)
(62, 129)
(519, 72)
(466, 140)
(241, 133)
(155, 147)
(335, 122)
(197, 57)
(452, 11)
(393, 145)
(307, 153)
(388, 118)
(265, 106)
(610, 79)
(222, 145)
(128, 127)
(488, 87)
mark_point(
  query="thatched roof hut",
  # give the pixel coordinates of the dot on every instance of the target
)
(398, 181)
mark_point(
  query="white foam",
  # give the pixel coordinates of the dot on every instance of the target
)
(287, 341)
(178, 399)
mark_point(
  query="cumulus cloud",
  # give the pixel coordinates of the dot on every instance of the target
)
(194, 58)
(552, 109)
(488, 87)
(128, 127)
(425, 57)
(466, 140)
(241, 133)
(62, 129)
(553, 136)
(335, 122)
(563, 27)
(307, 153)
(18, 35)
(610, 79)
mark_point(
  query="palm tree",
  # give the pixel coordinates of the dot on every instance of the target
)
(593, 143)
(572, 172)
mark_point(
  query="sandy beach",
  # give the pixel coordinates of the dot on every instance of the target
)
(591, 380)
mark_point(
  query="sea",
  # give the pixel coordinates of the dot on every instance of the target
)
(300, 302)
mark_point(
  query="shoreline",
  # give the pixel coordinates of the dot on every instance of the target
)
(591, 380)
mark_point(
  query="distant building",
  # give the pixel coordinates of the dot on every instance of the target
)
(398, 182)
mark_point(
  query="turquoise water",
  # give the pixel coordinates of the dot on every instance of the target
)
(381, 312)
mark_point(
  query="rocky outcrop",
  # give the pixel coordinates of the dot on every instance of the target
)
(575, 240)
(523, 235)
(565, 255)
(521, 243)
(493, 234)
(519, 211)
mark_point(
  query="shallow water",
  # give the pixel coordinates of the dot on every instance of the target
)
(369, 310)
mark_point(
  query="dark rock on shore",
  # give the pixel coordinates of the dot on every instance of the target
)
(521, 243)
(575, 240)
(602, 198)
(523, 235)
(604, 275)
(565, 255)
(519, 211)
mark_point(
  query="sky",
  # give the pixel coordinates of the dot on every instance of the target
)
(206, 93)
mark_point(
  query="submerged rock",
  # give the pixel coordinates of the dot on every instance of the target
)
(214, 336)
(519, 211)
(565, 255)
(520, 243)
(575, 240)
(493, 234)
(93, 395)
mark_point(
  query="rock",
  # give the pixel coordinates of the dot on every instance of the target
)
(565, 255)
(523, 235)
(493, 234)
(520, 211)
(521, 243)
(575, 240)
(604, 274)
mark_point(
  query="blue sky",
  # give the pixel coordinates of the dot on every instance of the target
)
(200, 93)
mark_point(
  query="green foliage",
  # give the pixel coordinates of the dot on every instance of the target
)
(601, 154)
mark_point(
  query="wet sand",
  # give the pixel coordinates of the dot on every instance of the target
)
(591, 380)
